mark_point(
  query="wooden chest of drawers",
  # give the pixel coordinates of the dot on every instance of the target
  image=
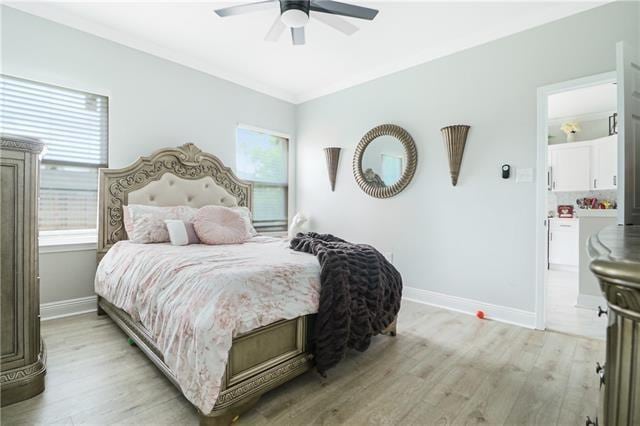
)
(22, 367)
(616, 263)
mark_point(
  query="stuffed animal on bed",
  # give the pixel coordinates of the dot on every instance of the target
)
(298, 224)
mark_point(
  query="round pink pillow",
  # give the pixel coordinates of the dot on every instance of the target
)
(220, 225)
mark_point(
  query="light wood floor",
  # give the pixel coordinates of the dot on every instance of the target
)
(442, 368)
(562, 313)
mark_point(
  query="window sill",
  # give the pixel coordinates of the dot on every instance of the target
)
(273, 233)
(64, 241)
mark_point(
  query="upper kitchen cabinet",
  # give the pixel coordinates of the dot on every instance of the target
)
(584, 166)
(570, 164)
(604, 166)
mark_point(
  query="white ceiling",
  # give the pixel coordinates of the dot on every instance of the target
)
(583, 102)
(402, 35)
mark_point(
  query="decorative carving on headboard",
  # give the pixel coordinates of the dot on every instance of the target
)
(186, 161)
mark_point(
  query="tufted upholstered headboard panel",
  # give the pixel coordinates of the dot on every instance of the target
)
(169, 177)
(171, 190)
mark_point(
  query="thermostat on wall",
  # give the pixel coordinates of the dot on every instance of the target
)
(506, 171)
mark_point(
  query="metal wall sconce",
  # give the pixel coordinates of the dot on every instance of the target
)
(332, 155)
(455, 138)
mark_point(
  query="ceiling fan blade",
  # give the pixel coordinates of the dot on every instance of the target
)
(297, 35)
(276, 30)
(246, 8)
(344, 9)
(337, 23)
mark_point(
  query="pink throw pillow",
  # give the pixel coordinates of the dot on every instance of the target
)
(220, 225)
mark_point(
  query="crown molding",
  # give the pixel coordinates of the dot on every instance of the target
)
(50, 12)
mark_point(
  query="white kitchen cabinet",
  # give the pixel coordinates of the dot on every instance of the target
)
(570, 166)
(584, 166)
(563, 242)
(604, 164)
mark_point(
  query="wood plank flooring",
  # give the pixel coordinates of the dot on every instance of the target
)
(443, 368)
(562, 313)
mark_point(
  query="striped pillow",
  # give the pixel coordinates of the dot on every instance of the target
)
(181, 233)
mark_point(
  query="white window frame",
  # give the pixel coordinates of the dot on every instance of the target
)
(289, 170)
(70, 239)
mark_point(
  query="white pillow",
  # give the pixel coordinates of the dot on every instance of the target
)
(181, 233)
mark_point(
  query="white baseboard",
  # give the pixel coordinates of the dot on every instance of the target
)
(67, 308)
(591, 302)
(469, 306)
(566, 268)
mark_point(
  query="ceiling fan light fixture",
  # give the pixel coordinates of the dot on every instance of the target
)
(294, 18)
(294, 14)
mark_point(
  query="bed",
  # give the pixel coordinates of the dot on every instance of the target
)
(265, 350)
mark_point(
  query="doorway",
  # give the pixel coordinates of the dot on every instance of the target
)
(577, 152)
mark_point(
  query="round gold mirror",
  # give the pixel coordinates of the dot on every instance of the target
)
(385, 161)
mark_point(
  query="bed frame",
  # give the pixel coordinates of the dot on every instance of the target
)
(259, 360)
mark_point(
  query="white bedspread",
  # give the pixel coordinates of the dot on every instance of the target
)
(194, 299)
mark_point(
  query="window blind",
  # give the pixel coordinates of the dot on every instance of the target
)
(262, 159)
(73, 125)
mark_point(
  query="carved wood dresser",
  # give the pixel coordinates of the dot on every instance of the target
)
(615, 253)
(22, 366)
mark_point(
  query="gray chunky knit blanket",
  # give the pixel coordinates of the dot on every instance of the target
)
(359, 296)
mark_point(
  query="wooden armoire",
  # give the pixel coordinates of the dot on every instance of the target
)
(22, 365)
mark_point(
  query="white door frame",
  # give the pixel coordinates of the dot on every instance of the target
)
(541, 184)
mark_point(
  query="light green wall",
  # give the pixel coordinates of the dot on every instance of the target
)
(476, 240)
(153, 103)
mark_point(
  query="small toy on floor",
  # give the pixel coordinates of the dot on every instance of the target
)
(131, 342)
(480, 314)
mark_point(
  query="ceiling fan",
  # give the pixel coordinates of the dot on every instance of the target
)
(294, 14)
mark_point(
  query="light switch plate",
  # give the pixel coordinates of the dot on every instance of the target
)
(524, 175)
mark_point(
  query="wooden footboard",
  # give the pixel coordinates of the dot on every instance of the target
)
(258, 361)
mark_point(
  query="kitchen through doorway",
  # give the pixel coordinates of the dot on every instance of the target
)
(581, 199)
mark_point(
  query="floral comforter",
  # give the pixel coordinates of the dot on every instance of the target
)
(195, 299)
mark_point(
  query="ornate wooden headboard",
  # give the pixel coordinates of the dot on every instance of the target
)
(173, 176)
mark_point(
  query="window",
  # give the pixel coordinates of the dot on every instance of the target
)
(391, 168)
(261, 158)
(73, 126)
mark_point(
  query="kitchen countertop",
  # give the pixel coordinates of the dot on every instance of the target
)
(596, 212)
(589, 213)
